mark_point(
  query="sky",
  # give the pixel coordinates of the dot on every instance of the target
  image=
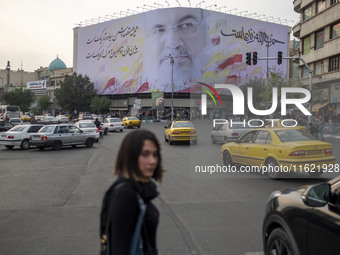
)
(35, 32)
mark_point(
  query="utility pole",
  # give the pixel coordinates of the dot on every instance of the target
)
(172, 86)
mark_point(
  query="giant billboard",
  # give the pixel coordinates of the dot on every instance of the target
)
(180, 46)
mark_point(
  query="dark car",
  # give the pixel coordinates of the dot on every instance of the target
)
(5, 125)
(304, 220)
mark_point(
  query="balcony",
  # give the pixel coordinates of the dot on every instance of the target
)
(296, 30)
(297, 5)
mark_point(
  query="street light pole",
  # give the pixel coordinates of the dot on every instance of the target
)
(172, 86)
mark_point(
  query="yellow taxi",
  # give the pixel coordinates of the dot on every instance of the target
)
(276, 151)
(130, 122)
(180, 131)
(283, 123)
(25, 117)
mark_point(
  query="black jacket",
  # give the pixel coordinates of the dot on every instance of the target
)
(125, 213)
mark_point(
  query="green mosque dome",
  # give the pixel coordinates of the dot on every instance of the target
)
(56, 64)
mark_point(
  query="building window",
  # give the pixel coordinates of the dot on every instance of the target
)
(318, 68)
(52, 83)
(306, 45)
(305, 72)
(334, 1)
(334, 63)
(320, 6)
(307, 13)
(335, 30)
(319, 39)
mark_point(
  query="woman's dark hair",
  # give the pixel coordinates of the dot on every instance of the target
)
(129, 151)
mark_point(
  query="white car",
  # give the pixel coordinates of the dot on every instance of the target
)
(62, 118)
(15, 121)
(88, 127)
(228, 132)
(112, 124)
(19, 136)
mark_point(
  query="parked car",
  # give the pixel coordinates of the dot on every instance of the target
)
(228, 132)
(303, 221)
(84, 117)
(36, 118)
(130, 122)
(276, 148)
(19, 136)
(62, 119)
(112, 124)
(180, 131)
(88, 127)
(56, 136)
(5, 125)
(48, 120)
(15, 121)
(25, 117)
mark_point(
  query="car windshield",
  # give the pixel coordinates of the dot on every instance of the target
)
(238, 125)
(17, 129)
(87, 125)
(115, 120)
(46, 129)
(132, 118)
(182, 124)
(293, 135)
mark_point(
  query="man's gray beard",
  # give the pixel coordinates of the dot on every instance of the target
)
(181, 76)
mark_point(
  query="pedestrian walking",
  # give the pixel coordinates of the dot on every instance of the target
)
(124, 228)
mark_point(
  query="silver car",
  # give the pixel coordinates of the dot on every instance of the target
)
(88, 127)
(56, 136)
(228, 132)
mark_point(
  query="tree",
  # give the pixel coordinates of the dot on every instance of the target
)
(43, 104)
(101, 104)
(20, 97)
(263, 91)
(75, 93)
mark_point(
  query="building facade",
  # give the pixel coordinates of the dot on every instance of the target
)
(319, 34)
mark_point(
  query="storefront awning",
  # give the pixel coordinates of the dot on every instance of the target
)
(317, 107)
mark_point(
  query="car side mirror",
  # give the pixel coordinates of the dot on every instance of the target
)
(317, 195)
(166, 127)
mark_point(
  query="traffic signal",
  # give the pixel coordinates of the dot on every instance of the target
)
(254, 58)
(248, 58)
(279, 57)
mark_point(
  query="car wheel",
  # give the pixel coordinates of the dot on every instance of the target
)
(227, 161)
(170, 142)
(138, 126)
(213, 139)
(106, 131)
(225, 139)
(41, 148)
(25, 145)
(121, 130)
(166, 140)
(272, 169)
(9, 146)
(279, 243)
(57, 145)
(89, 143)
